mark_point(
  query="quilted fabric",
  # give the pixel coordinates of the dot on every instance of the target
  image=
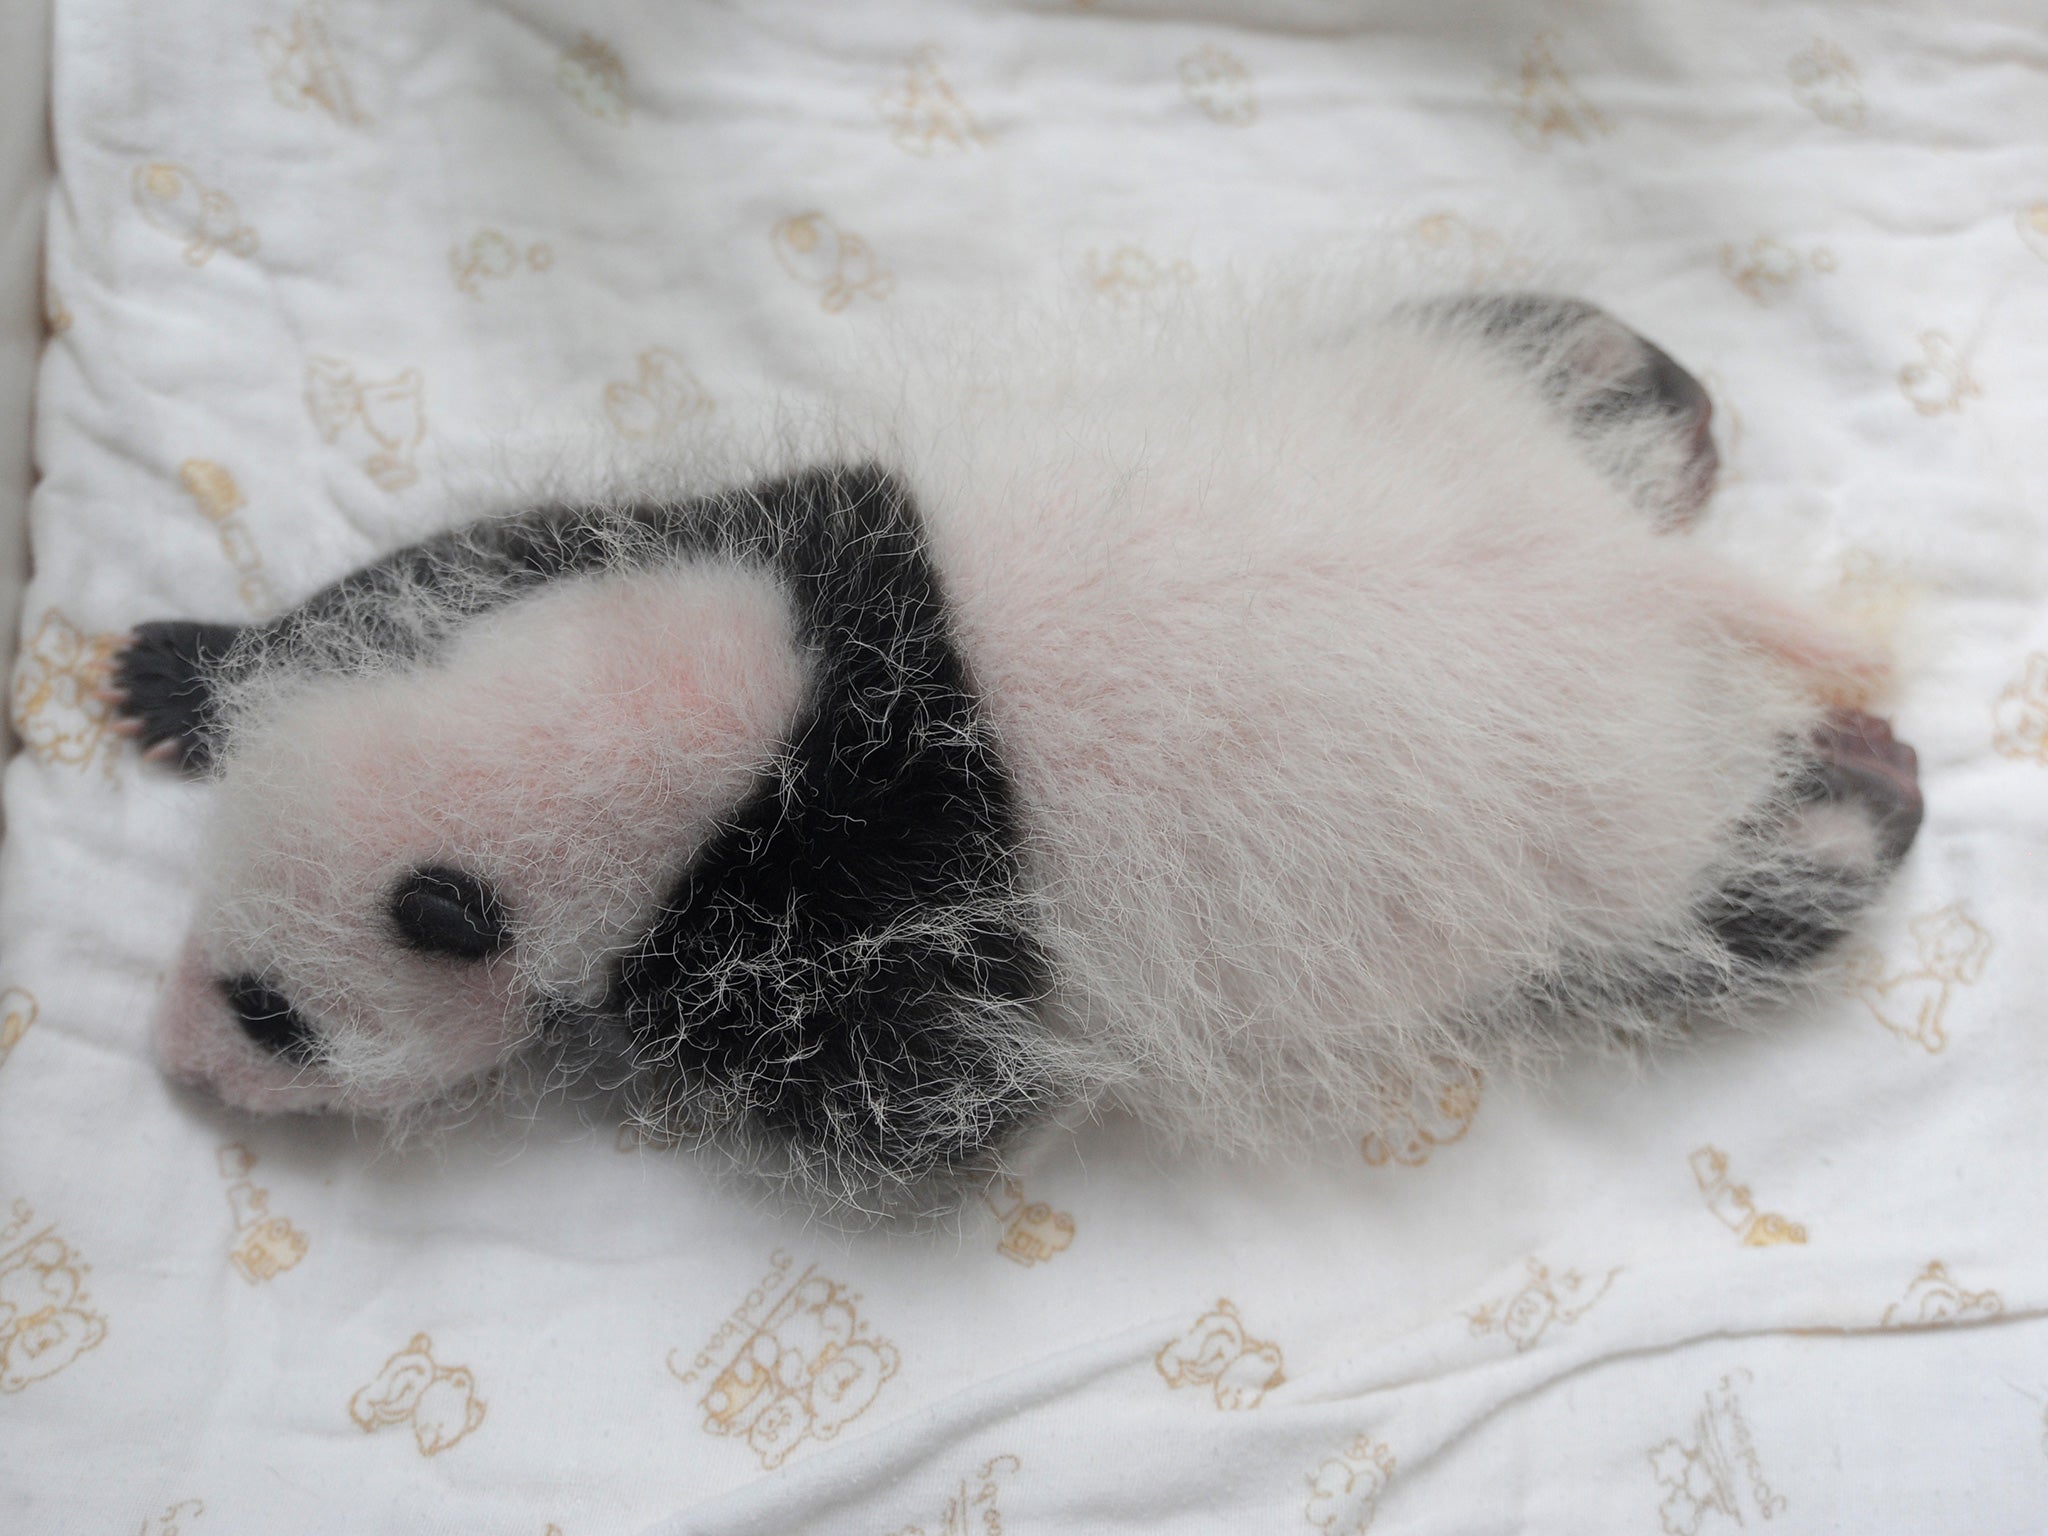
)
(311, 264)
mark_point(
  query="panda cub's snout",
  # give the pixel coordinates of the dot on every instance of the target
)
(1247, 729)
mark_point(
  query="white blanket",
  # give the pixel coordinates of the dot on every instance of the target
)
(306, 261)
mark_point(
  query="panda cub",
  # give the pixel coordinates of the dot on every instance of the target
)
(1243, 720)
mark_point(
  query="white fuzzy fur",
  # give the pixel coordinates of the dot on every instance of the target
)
(1345, 691)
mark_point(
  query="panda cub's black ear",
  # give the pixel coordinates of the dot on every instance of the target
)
(451, 912)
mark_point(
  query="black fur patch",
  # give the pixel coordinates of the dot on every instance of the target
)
(869, 885)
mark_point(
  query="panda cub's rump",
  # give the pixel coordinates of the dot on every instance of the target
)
(1239, 721)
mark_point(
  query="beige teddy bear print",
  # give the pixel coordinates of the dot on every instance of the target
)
(809, 1369)
(1217, 1353)
(438, 1401)
(46, 1318)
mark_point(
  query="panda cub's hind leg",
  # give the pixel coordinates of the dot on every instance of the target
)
(160, 684)
(1850, 818)
(1620, 391)
(1794, 878)
(1820, 846)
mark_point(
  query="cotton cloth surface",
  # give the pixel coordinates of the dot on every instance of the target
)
(307, 267)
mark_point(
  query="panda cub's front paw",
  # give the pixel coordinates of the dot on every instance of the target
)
(161, 687)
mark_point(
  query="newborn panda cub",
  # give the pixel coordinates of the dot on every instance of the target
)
(1243, 720)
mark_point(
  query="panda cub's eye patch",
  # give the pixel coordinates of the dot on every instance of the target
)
(448, 912)
(268, 1018)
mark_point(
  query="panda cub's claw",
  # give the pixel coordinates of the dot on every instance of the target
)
(161, 689)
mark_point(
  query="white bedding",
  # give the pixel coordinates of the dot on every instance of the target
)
(24, 189)
(311, 263)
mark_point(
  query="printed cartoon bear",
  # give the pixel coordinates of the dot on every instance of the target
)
(439, 1401)
(1217, 1353)
(45, 1321)
(804, 1373)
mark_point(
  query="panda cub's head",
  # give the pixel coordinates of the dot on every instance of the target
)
(415, 867)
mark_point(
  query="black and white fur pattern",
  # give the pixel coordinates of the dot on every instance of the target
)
(1242, 720)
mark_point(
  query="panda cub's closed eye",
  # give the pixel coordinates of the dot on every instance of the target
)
(449, 912)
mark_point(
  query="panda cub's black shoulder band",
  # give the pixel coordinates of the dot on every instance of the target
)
(851, 963)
